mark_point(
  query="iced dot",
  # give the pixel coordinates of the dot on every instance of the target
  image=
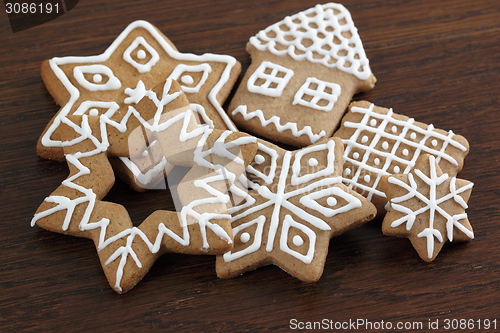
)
(355, 155)
(434, 142)
(366, 178)
(187, 79)
(347, 172)
(364, 139)
(145, 153)
(259, 159)
(396, 169)
(313, 162)
(94, 112)
(297, 240)
(413, 136)
(245, 237)
(141, 54)
(376, 161)
(97, 78)
(394, 129)
(373, 122)
(385, 145)
(406, 152)
(331, 201)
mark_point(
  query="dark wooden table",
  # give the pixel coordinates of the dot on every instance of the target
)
(436, 61)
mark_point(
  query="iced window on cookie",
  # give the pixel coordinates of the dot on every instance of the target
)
(317, 94)
(269, 79)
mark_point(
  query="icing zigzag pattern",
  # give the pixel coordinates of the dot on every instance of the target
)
(307, 130)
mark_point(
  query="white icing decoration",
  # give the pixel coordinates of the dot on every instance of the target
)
(97, 78)
(431, 204)
(56, 63)
(289, 222)
(141, 54)
(135, 94)
(367, 178)
(245, 237)
(273, 84)
(257, 236)
(396, 169)
(297, 240)
(318, 94)
(355, 155)
(313, 162)
(113, 82)
(178, 71)
(329, 148)
(275, 120)
(259, 159)
(347, 171)
(364, 139)
(187, 79)
(434, 142)
(89, 106)
(322, 34)
(141, 68)
(406, 152)
(331, 201)
(272, 170)
(380, 137)
(310, 201)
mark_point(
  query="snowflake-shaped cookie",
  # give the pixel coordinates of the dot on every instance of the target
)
(202, 223)
(295, 205)
(427, 206)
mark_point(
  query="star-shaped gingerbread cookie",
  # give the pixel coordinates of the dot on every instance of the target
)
(427, 206)
(295, 205)
(139, 58)
(202, 223)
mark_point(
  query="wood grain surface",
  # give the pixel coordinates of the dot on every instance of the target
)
(436, 61)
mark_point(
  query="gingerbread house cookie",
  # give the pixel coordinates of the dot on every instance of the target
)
(304, 71)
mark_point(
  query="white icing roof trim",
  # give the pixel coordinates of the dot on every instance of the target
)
(324, 34)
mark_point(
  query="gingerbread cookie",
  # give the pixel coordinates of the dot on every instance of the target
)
(140, 58)
(304, 71)
(202, 223)
(295, 205)
(427, 206)
(379, 142)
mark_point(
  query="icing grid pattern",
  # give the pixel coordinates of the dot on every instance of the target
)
(324, 34)
(382, 128)
(123, 252)
(272, 197)
(431, 204)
